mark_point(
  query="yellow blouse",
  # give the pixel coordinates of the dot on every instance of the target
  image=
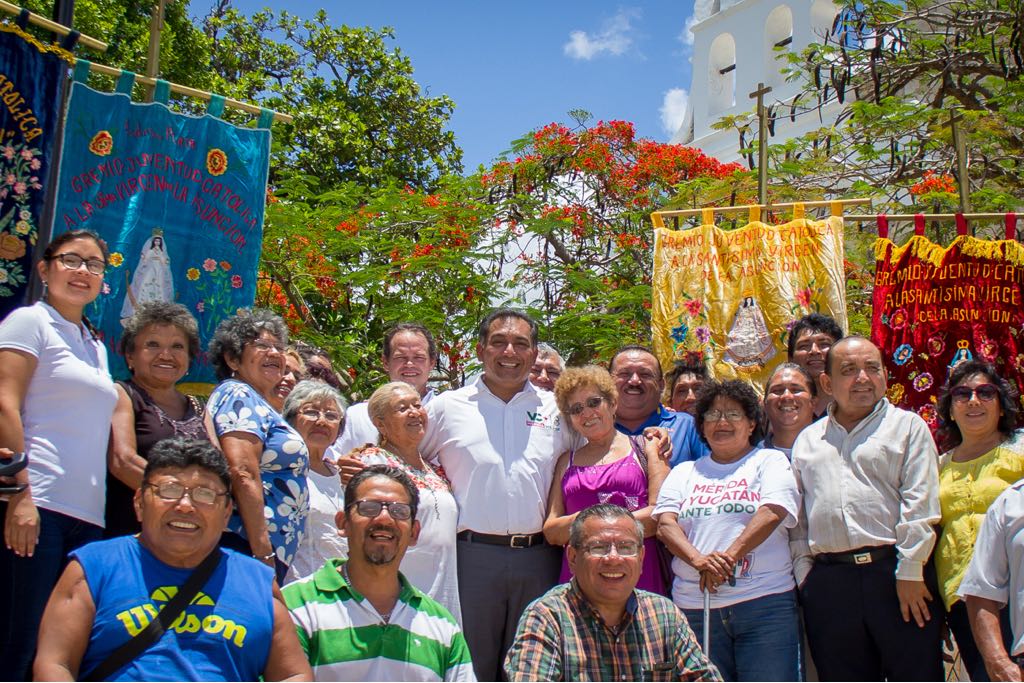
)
(966, 490)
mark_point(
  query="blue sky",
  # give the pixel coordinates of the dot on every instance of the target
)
(511, 67)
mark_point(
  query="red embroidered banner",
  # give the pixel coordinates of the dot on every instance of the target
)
(935, 306)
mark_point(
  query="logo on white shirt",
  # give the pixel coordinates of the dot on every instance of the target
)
(541, 420)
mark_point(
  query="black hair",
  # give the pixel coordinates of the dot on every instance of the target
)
(736, 390)
(635, 347)
(949, 435)
(178, 453)
(502, 313)
(608, 511)
(795, 367)
(699, 370)
(816, 323)
(415, 328)
(392, 473)
(70, 236)
(159, 313)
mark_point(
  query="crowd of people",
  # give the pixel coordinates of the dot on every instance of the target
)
(542, 522)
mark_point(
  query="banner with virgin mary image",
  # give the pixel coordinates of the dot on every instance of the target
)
(179, 200)
(730, 297)
(935, 306)
(31, 78)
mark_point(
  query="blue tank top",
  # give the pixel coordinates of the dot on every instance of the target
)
(223, 635)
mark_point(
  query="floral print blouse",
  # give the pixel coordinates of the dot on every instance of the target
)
(236, 407)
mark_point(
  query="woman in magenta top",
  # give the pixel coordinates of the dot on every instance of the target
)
(610, 468)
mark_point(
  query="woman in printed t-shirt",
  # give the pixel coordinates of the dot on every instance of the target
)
(725, 517)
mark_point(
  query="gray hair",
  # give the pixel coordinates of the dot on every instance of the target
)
(243, 328)
(380, 401)
(159, 313)
(312, 391)
(544, 349)
(607, 512)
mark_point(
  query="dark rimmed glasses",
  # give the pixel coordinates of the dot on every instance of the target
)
(172, 490)
(371, 508)
(74, 262)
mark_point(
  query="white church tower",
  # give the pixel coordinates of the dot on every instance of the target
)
(733, 50)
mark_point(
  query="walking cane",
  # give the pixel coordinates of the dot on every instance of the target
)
(707, 623)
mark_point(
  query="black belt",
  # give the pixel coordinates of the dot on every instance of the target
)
(865, 555)
(513, 541)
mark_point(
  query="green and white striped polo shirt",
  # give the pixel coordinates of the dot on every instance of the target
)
(345, 638)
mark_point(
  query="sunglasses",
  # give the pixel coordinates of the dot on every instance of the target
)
(371, 508)
(591, 403)
(984, 392)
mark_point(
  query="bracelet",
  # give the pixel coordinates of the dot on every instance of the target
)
(264, 558)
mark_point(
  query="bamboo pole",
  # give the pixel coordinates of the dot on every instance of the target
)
(156, 27)
(191, 92)
(911, 217)
(680, 213)
(54, 27)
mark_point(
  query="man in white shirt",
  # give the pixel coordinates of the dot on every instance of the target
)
(869, 478)
(994, 578)
(498, 439)
(409, 355)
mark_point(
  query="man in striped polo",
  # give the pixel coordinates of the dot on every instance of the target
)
(361, 619)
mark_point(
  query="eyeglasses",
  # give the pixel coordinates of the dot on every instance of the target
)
(314, 414)
(172, 490)
(263, 346)
(591, 403)
(371, 508)
(622, 549)
(984, 392)
(729, 415)
(74, 262)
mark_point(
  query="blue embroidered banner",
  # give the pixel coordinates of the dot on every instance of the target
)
(179, 200)
(31, 75)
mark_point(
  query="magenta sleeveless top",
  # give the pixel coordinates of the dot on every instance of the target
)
(623, 483)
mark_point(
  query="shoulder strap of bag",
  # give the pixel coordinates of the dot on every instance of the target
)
(156, 627)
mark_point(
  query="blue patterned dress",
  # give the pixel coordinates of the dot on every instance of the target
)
(236, 407)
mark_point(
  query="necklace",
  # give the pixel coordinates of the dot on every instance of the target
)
(386, 618)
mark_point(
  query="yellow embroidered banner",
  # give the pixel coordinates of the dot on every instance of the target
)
(732, 296)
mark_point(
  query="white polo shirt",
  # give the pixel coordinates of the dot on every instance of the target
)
(996, 571)
(500, 457)
(66, 413)
(359, 429)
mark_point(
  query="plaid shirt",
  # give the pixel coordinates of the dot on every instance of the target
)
(562, 637)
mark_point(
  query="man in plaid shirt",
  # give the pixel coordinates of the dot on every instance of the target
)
(598, 627)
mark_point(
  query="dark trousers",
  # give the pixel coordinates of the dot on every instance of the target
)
(855, 628)
(960, 625)
(496, 583)
(26, 584)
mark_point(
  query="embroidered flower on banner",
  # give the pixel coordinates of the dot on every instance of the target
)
(703, 334)
(216, 161)
(987, 349)
(693, 307)
(11, 247)
(936, 345)
(116, 259)
(236, 281)
(201, 306)
(895, 393)
(1019, 362)
(902, 354)
(929, 414)
(225, 265)
(898, 319)
(804, 296)
(679, 333)
(192, 274)
(102, 143)
(923, 381)
(209, 265)
(23, 227)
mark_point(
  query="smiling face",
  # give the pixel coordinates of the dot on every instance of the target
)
(261, 365)
(404, 423)
(684, 393)
(160, 356)
(291, 376)
(728, 438)
(606, 581)
(381, 540)
(593, 420)
(409, 360)
(181, 532)
(318, 431)
(545, 372)
(788, 401)
(856, 379)
(72, 288)
(639, 384)
(507, 355)
(810, 349)
(977, 418)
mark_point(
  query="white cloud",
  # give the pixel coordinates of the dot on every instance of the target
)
(702, 9)
(673, 109)
(686, 37)
(615, 37)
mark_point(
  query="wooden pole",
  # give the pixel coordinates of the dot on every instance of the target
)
(963, 181)
(156, 25)
(54, 27)
(762, 142)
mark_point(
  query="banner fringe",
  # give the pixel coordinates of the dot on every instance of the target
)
(926, 250)
(31, 39)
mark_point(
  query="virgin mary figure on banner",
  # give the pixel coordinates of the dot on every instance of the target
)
(152, 280)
